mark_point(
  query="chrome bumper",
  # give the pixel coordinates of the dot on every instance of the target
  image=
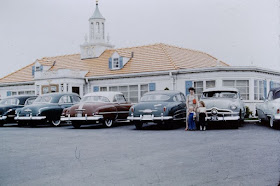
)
(149, 118)
(84, 118)
(225, 118)
(28, 118)
(277, 117)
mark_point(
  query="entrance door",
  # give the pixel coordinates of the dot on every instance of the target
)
(76, 90)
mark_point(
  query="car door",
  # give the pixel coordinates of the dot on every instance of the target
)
(122, 106)
(268, 104)
(181, 106)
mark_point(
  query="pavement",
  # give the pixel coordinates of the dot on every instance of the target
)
(121, 155)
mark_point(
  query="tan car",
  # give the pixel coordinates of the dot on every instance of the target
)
(98, 107)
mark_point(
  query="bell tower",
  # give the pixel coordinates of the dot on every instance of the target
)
(96, 44)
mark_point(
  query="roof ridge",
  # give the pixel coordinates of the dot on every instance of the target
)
(168, 56)
(60, 56)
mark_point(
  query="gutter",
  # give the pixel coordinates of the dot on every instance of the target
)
(187, 71)
(17, 83)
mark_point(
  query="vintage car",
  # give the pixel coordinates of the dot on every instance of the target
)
(224, 104)
(10, 104)
(160, 107)
(270, 109)
(98, 107)
(47, 108)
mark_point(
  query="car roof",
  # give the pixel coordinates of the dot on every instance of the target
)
(21, 96)
(221, 89)
(107, 94)
(166, 92)
(60, 94)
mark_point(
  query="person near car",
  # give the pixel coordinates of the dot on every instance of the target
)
(191, 101)
(191, 118)
(202, 114)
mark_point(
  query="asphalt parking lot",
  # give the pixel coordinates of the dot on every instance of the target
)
(125, 156)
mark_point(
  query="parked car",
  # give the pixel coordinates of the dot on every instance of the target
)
(270, 109)
(10, 104)
(98, 107)
(160, 107)
(224, 104)
(46, 108)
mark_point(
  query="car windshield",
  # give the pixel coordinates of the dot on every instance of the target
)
(155, 97)
(220, 94)
(9, 101)
(43, 99)
(95, 99)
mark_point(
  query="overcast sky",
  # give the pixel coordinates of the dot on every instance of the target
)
(238, 32)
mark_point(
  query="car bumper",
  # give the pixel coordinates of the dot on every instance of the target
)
(149, 118)
(84, 118)
(277, 118)
(28, 118)
(225, 118)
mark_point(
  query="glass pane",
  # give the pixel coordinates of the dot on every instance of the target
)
(103, 89)
(123, 88)
(113, 88)
(144, 87)
(242, 83)
(133, 87)
(210, 84)
(228, 83)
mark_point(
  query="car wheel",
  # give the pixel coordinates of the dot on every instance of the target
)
(271, 122)
(56, 122)
(76, 125)
(138, 125)
(108, 123)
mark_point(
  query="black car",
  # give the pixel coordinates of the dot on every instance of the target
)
(10, 104)
(160, 107)
(46, 108)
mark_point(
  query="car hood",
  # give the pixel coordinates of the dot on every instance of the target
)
(220, 103)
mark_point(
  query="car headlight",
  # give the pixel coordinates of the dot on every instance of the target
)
(233, 107)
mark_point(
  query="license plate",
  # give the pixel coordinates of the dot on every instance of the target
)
(147, 117)
(27, 115)
(214, 118)
(79, 115)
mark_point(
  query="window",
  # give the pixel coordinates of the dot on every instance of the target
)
(258, 89)
(144, 89)
(198, 86)
(116, 63)
(21, 93)
(29, 101)
(10, 101)
(49, 89)
(124, 90)
(14, 93)
(65, 99)
(210, 84)
(119, 98)
(113, 89)
(103, 89)
(76, 99)
(133, 93)
(241, 85)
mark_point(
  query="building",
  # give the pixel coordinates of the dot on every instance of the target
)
(135, 71)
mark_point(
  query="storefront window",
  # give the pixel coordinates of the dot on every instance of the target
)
(241, 85)
(198, 86)
(258, 89)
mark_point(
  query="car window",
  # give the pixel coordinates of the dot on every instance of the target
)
(120, 98)
(76, 99)
(65, 99)
(183, 97)
(220, 94)
(10, 101)
(29, 101)
(43, 99)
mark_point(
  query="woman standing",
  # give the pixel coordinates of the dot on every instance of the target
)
(192, 101)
